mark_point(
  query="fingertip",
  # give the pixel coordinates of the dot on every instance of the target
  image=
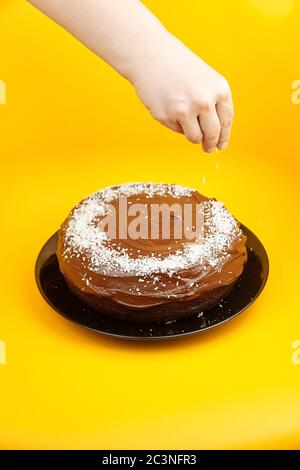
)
(209, 150)
(195, 141)
(222, 145)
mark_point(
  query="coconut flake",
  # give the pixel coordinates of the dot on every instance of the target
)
(82, 236)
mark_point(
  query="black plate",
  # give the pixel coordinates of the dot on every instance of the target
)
(55, 291)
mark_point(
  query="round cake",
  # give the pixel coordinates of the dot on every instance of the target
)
(150, 252)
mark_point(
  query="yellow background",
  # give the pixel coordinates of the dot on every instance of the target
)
(70, 126)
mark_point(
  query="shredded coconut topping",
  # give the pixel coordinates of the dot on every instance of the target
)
(83, 236)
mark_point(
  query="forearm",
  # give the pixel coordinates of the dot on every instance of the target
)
(179, 89)
(122, 32)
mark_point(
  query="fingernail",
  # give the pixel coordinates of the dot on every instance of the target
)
(210, 150)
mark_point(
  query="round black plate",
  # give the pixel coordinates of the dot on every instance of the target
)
(55, 291)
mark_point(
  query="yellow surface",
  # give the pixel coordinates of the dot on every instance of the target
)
(71, 125)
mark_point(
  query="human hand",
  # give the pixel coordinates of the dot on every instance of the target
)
(184, 93)
(180, 89)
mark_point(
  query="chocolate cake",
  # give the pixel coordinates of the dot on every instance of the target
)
(156, 276)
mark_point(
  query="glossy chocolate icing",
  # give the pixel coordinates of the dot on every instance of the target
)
(141, 291)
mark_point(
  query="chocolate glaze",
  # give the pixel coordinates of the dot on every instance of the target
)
(137, 292)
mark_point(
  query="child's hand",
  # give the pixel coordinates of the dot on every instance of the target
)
(184, 93)
(180, 90)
